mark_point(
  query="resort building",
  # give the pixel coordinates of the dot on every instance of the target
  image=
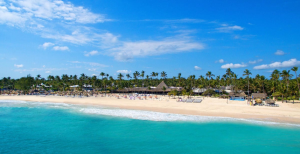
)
(84, 87)
(162, 88)
(262, 96)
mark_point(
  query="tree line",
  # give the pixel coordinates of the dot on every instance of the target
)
(280, 83)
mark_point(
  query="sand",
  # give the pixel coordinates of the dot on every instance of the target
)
(286, 112)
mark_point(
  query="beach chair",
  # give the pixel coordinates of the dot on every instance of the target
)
(197, 101)
(183, 100)
(189, 100)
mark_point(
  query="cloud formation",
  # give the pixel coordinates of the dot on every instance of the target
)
(93, 64)
(92, 53)
(279, 53)
(197, 68)
(284, 64)
(255, 61)
(62, 48)
(20, 11)
(231, 65)
(18, 66)
(123, 71)
(220, 61)
(226, 29)
(55, 19)
(47, 44)
(129, 50)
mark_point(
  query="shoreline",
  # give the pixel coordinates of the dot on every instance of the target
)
(214, 107)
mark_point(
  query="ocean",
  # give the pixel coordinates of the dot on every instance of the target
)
(34, 127)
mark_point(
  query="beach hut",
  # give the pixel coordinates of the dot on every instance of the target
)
(150, 90)
(262, 96)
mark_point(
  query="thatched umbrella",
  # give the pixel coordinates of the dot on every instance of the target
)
(258, 100)
(270, 101)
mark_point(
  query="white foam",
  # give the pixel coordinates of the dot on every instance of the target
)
(136, 114)
(157, 116)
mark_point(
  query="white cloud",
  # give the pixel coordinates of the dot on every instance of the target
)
(47, 70)
(255, 61)
(279, 53)
(123, 71)
(55, 19)
(96, 64)
(55, 9)
(130, 50)
(2, 2)
(12, 7)
(231, 65)
(12, 18)
(47, 44)
(93, 64)
(94, 52)
(62, 48)
(92, 69)
(284, 64)
(197, 68)
(18, 66)
(186, 20)
(220, 61)
(225, 28)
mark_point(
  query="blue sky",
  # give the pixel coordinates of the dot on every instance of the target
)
(54, 37)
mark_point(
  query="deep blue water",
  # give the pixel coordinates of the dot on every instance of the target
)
(27, 127)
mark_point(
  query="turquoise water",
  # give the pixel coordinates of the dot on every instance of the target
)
(32, 127)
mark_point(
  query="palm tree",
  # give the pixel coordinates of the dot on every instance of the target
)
(163, 74)
(209, 75)
(275, 76)
(102, 74)
(262, 79)
(286, 76)
(247, 73)
(153, 74)
(120, 76)
(156, 74)
(128, 76)
(229, 75)
(295, 69)
(143, 75)
(179, 78)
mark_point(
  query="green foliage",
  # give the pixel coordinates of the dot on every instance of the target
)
(276, 94)
(281, 83)
(24, 83)
(209, 92)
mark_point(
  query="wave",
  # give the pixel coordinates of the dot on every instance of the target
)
(136, 114)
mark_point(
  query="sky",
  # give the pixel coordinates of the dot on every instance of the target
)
(191, 37)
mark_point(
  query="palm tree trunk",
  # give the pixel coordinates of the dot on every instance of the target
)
(297, 84)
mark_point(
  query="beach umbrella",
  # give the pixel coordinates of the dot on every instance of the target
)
(258, 100)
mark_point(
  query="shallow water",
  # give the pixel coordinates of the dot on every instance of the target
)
(33, 127)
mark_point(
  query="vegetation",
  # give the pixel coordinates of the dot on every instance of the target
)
(282, 84)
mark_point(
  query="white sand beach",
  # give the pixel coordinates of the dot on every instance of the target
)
(286, 112)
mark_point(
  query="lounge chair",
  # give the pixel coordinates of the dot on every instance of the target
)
(189, 100)
(197, 101)
(183, 100)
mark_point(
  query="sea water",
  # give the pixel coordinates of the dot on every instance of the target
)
(33, 127)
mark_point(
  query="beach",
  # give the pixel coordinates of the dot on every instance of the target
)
(285, 113)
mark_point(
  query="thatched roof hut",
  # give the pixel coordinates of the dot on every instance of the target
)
(259, 95)
(242, 94)
(270, 101)
(161, 85)
(158, 89)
